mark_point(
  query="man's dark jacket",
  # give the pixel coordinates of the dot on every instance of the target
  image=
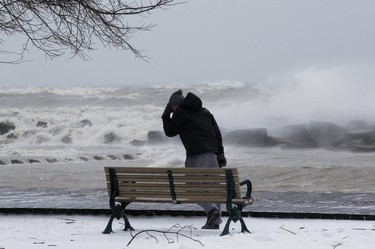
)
(196, 126)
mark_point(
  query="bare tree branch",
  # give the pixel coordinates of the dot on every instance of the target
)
(177, 233)
(58, 26)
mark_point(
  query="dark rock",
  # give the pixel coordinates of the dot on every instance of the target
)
(55, 130)
(2, 162)
(34, 161)
(111, 137)
(136, 142)
(12, 136)
(358, 141)
(42, 139)
(6, 127)
(156, 137)
(248, 137)
(364, 137)
(112, 157)
(326, 133)
(367, 137)
(362, 148)
(51, 160)
(15, 161)
(42, 124)
(128, 157)
(357, 125)
(296, 136)
(66, 139)
(29, 133)
(85, 122)
(98, 158)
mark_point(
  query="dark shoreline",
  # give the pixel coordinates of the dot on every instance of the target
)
(133, 212)
(290, 204)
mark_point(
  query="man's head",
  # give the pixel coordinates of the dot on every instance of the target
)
(176, 99)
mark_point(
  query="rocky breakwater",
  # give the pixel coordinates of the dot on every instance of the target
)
(326, 135)
(358, 137)
(6, 127)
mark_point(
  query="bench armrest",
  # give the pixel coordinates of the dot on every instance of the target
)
(249, 188)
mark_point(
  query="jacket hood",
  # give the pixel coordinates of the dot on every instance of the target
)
(192, 101)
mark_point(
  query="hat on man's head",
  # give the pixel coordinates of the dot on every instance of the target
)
(176, 98)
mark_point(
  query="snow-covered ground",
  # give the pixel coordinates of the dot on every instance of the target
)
(68, 231)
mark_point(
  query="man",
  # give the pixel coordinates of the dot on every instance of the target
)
(201, 138)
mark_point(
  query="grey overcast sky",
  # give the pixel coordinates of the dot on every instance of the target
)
(215, 40)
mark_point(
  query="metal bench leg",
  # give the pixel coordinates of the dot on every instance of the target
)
(123, 215)
(227, 225)
(243, 226)
(235, 215)
(127, 224)
(118, 213)
(108, 228)
(226, 228)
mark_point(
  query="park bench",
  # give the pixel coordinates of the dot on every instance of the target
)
(178, 186)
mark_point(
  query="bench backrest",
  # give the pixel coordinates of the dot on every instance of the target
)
(178, 185)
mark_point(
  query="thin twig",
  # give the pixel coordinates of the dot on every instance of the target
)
(287, 230)
(167, 232)
(334, 246)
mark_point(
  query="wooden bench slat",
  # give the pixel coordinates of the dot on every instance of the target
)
(201, 188)
(212, 191)
(146, 180)
(178, 195)
(177, 176)
(152, 188)
(154, 170)
(184, 190)
(184, 187)
(210, 200)
(237, 185)
(181, 200)
(144, 199)
(169, 200)
(165, 177)
(186, 172)
(178, 187)
(142, 194)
